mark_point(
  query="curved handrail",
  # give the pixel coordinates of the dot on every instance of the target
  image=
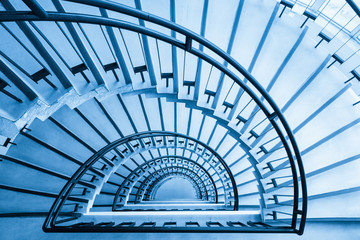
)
(246, 74)
(148, 163)
(277, 112)
(152, 191)
(191, 36)
(151, 184)
(65, 192)
(66, 17)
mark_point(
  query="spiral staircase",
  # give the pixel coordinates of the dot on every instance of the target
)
(187, 117)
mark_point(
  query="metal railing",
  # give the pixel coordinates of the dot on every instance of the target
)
(138, 173)
(264, 104)
(126, 147)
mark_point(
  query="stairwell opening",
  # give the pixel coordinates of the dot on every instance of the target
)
(175, 189)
